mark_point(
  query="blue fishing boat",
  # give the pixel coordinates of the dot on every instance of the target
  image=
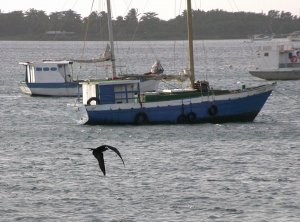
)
(122, 102)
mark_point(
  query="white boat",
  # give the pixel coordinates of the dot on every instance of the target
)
(277, 63)
(261, 37)
(55, 78)
(49, 78)
(122, 102)
(294, 36)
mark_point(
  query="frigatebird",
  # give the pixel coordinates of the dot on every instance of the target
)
(98, 154)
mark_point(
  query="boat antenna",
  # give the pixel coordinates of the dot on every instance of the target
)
(190, 39)
(111, 39)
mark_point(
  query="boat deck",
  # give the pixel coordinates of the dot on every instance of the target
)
(165, 96)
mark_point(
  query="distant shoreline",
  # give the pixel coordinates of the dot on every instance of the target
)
(35, 25)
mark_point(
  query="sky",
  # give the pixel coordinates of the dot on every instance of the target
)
(166, 9)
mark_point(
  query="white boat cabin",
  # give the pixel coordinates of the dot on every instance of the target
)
(277, 57)
(294, 36)
(259, 37)
(48, 71)
(110, 92)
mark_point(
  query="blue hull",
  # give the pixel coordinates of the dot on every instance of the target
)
(243, 109)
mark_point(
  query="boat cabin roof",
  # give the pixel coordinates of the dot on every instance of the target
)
(59, 62)
(109, 82)
(295, 33)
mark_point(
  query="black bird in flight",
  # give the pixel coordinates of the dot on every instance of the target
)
(98, 153)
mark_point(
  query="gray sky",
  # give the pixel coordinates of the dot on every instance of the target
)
(165, 9)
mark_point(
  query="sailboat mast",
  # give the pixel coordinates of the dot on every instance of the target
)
(111, 39)
(190, 39)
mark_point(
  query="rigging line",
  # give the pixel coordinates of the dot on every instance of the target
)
(152, 50)
(232, 10)
(202, 45)
(174, 43)
(127, 9)
(63, 7)
(203, 48)
(137, 27)
(75, 3)
(174, 54)
(195, 3)
(174, 86)
(116, 42)
(149, 42)
(236, 5)
(176, 12)
(180, 7)
(287, 96)
(205, 59)
(132, 38)
(86, 31)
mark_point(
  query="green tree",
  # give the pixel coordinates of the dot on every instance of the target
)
(149, 26)
(37, 22)
(119, 28)
(95, 26)
(55, 21)
(213, 24)
(131, 24)
(71, 21)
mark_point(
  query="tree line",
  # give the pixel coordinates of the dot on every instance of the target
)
(215, 24)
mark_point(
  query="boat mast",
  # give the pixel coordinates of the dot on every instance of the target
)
(111, 39)
(190, 38)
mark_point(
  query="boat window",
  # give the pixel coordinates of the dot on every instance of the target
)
(53, 68)
(38, 69)
(46, 69)
(266, 54)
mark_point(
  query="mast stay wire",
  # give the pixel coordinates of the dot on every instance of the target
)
(287, 95)
(86, 30)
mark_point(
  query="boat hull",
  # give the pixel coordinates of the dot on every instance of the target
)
(50, 89)
(241, 106)
(277, 74)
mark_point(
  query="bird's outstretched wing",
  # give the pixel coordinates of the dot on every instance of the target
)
(116, 151)
(99, 157)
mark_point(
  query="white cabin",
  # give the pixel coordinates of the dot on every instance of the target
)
(295, 36)
(282, 56)
(48, 71)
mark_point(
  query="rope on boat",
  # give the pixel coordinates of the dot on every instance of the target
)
(174, 86)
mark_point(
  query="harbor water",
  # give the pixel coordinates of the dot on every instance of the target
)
(204, 172)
